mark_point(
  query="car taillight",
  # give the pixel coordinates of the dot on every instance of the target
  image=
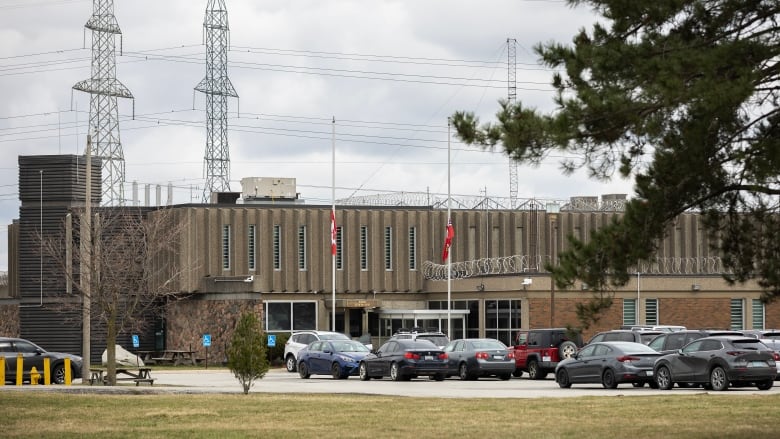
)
(627, 359)
(511, 355)
(481, 355)
(443, 356)
(411, 356)
(776, 356)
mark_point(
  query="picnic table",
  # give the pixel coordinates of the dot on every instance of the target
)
(136, 374)
(176, 357)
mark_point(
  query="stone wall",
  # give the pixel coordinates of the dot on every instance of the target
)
(188, 320)
(9, 320)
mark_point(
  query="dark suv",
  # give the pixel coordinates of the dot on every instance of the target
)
(538, 351)
(672, 341)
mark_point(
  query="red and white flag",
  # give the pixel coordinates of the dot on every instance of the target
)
(448, 240)
(333, 232)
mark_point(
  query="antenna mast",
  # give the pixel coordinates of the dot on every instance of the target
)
(511, 50)
(217, 88)
(104, 88)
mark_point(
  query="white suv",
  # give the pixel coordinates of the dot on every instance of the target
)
(300, 340)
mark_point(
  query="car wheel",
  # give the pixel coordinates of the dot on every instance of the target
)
(765, 385)
(363, 372)
(505, 376)
(395, 373)
(533, 370)
(718, 379)
(290, 363)
(463, 372)
(335, 372)
(567, 349)
(663, 377)
(58, 374)
(303, 371)
(608, 379)
(517, 373)
(563, 379)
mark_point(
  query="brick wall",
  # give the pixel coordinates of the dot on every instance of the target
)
(188, 320)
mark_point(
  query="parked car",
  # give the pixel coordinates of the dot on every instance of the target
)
(33, 356)
(472, 358)
(770, 338)
(338, 358)
(300, 340)
(404, 359)
(634, 335)
(718, 362)
(538, 351)
(438, 338)
(672, 341)
(609, 363)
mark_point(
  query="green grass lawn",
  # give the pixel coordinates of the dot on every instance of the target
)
(47, 414)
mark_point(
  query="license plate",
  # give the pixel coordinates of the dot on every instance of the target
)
(498, 357)
(758, 364)
(428, 357)
(547, 358)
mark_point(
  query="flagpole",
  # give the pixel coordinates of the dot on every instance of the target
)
(449, 253)
(333, 223)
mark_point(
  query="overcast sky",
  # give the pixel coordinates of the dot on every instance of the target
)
(389, 72)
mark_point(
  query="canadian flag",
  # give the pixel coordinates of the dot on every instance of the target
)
(448, 240)
(333, 232)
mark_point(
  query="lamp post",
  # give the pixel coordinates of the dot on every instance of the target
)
(552, 213)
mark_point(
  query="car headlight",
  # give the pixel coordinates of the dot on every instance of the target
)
(346, 359)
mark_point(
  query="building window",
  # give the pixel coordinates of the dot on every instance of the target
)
(758, 314)
(226, 247)
(629, 312)
(363, 248)
(302, 248)
(251, 256)
(277, 250)
(339, 254)
(737, 315)
(412, 248)
(290, 316)
(651, 311)
(472, 318)
(388, 248)
(502, 319)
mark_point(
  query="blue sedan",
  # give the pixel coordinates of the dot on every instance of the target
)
(337, 358)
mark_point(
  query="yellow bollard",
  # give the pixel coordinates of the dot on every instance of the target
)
(2, 367)
(47, 371)
(67, 372)
(34, 376)
(19, 369)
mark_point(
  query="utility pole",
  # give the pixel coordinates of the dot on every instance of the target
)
(511, 50)
(217, 88)
(104, 88)
(86, 281)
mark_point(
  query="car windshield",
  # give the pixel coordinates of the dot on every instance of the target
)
(438, 340)
(333, 336)
(488, 344)
(349, 346)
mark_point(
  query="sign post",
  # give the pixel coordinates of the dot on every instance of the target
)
(207, 345)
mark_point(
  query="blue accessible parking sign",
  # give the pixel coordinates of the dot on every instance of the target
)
(271, 340)
(206, 340)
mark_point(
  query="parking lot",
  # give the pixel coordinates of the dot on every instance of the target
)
(280, 381)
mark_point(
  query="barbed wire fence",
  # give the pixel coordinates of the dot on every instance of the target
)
(523, 264)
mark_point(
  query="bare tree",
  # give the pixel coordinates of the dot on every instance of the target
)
(130, 264)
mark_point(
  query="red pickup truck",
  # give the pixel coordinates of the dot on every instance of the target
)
(538, 351)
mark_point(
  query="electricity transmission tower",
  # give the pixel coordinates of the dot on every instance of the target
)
(511, 50)
(104, 88)
(217, 88)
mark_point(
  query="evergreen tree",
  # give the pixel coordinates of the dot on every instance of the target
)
(246, 354)
(681, 95)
